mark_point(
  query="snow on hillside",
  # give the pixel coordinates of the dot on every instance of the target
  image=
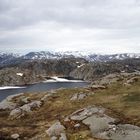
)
(58, 79)
(10, 58)
(10, 87)
(87, 55)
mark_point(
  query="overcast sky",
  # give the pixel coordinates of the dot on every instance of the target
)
(100, 26)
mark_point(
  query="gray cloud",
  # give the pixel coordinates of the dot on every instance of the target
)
(70, 24)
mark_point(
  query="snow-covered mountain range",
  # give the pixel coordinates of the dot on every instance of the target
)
(10, 58)
(86, 55)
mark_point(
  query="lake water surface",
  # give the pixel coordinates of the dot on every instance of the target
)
(40, 87)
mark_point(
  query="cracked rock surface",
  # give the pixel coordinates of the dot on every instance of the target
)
(102, 126)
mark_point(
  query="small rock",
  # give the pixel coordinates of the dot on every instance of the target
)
(77, 125)
(53, 138)
(63, 136)
(15, 136)
(74, 97)
(97, 87)
(92, 93)
(24, 99)
(127, 85)
(45, 98)
(82, 96)
(78, 96)
(66, 119)
(35, 104)
(26, 108)
(113, 127)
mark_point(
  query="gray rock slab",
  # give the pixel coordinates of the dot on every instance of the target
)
(56, 129)
(124, 132)
(98, 124)
(86, 112)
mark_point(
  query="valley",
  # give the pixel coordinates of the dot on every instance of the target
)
(70, 113)
(70, 99)
(69, 70)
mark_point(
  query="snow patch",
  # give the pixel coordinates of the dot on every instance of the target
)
(57, 79)
(80, 66)
(19, 74)
(10, 87)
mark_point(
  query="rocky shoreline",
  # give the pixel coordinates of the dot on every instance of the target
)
(39, 70)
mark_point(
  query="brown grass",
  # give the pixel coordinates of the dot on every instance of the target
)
(122, 102)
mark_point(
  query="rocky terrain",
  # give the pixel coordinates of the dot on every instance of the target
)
(34, 71)
(10, 59)
(106, 110)
(93, 71)
(37, 71)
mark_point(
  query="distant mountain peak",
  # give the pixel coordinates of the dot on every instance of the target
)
(80, 54)
(10, 58)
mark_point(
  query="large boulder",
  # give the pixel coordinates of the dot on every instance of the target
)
(121, 132)
(98, 124)
(57, 131)
(103, 126)
(8, 102)
(27, 108)
(5, 104)
(82, 114)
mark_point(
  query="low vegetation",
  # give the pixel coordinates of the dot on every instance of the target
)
(122, 102)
